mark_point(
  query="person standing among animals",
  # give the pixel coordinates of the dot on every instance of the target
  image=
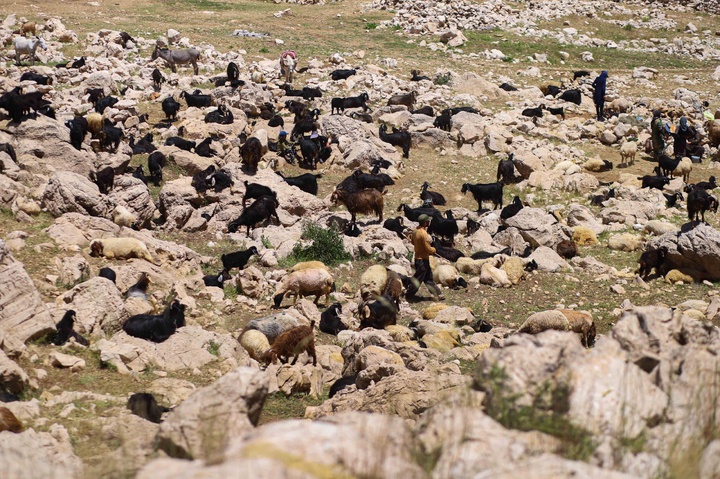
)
(657, 135)
(681, 135)
(423, 273)
(600, 85)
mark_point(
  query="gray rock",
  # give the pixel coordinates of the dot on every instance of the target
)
(69, 192)
(697, 249)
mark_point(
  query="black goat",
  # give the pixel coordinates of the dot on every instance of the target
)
(580, 74)
(307, 182)
(572, 96)
(485, 192)
(427, 110)
(649, 260)
(557, 111)
(699, 201)
(222, 115)
(342, 74)
(104, 179)
(216, 280)
(435, 197)
(706, 185)
(310, 93)
(289, 91)
(145, 406)
(512, 209)
(341, 104)
(667, 165)
(413, 214)
(37, 78)
(254, 191)
(598, 200)
(506, 170)
(238, 259)
(397, 138)
(139, 174)
(508, 87)
(196, 99)
(8, 148)
(330, 322)
(204, 149)
(262, 209)
(310, 152)
(352, 229)
(460, 109)
(18, 104)
(170, 107)
(450, 254)
(79, 63)
(124, 38)
(78, 130)
(156, 328)
(107, 273)
(652, 181)
(366, 180)
(64, 330)
(276, 120)
(671, 200)
(534, 112)
(158, 78)
(181, 143)
(110, 136)
(251, 152)
(201, 178)
(378, 314)
(486, 255)
(305, 125)
(105, 103)
(95, 95)
(220, 180)
(145, 145)
(387, 179)
(341, 384)
(156, 162)
(416, 77)
(444, 121)
(446, 228)
(482, 326)
(396, 225)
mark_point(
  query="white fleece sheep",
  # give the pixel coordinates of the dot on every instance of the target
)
(120, 248)
(307, 282)
(514, 269)
(493, 276)
(446, 275)
(372, 281)
(628, 150)
(545, 320)
(256, 344)
(595, 165)
(470, 266)
(123, 217)
(309, 265)
(683, 169)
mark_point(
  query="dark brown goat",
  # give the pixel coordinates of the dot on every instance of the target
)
(363, 202)
(294, 342)
(407, 99)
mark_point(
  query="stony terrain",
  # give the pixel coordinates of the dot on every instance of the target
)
(433, 395)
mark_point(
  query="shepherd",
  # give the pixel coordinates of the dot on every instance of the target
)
(288, 62)
(600, 85)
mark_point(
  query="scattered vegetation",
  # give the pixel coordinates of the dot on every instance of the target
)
(320, 244)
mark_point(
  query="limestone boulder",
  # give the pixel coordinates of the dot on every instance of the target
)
(343, 126)
(10, 191)
(98, 305)
(548, 260)
(538, 227)
(77, 230)
(134, 195)
(252, 283)
(36, 455)
(171, 391)
(225, 410)
(697, 250)
(579, 215)
(549, 466)
(69, 192)
(12, 377)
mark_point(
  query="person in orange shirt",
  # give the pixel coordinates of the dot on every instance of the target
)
(423, 273)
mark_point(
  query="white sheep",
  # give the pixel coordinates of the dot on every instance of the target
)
(596, 165)
(683, 169)
(628, 150)
(545, 320)
(120, 248)
(123, 217)
(257, 345)
(372, 281)
(307, 282)
(448, 276)
(470, 266)
(309, 265)
(514, 268)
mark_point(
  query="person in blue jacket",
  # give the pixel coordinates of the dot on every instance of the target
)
(600, 85)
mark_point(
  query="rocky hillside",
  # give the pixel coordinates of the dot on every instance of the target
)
(578, 331)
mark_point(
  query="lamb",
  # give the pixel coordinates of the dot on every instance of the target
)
(293, 343)
(37, 78)
(396, 225)
(216, 280)
(120, 248)
(652, 181)
(436, 198)
(545, 320)
(156, 328)
(262, 209)
(512, 209)
(107, 273)
(307, 182)
(364, 202)
(567, 249)
(397, 138)
(485, 192)
(506, 170)
(628, 150)
(597, 165)
(581, 322)
(25, 46)
(251, 152)
(257, 345)
(308, 282)
(170, 107)
(448, 276)
(124, 217)
(64, 330)
(145, 406)
(372, 281)
(378, 314)
(341, 74)
(341, 104)
(8, 421)
(330, 322)
(407, 99)
(272, 326)
(649, 260)
(196, 99)
(238, 259)
(104, 179)
(514, 268)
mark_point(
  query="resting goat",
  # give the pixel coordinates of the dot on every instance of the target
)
(156, 328)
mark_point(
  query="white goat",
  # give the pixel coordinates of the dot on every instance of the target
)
(27, 46)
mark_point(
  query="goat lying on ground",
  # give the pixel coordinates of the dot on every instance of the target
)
(145, 405)
(157, 328)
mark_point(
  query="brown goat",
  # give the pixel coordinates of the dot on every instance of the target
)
(407, 99)
(293, 342)
(364, 202)
(27, 27)
(8, 421)
(393, 287)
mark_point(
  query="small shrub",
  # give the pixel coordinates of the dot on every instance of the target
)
(371, 26)
(628, 27)
(264, 50)
(213, 348)
(443, 79)
(508, 59)
(266, 242)
(326, 245)
(231, 291)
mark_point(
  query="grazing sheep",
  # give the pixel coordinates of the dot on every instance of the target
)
(145, 406)
(124, 217)
(264, 208)
(95, 123)
(303, 265)
(293, 343)
(485, 192)
(448, 276)
(649, 260)
(317, 282)
(120, 248)
(273, 325)
(330, 322)
(107, 273)
(581, 322)
(8, 421)
(545, 320)
(238, 259)
(156, 328)
(216, 280)
(372, 281)
(64, 330)
(257, 345)
(596, 165)
(683, 169)
(104, 179)
(363, 202)
(628, 150)
(380, 313)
